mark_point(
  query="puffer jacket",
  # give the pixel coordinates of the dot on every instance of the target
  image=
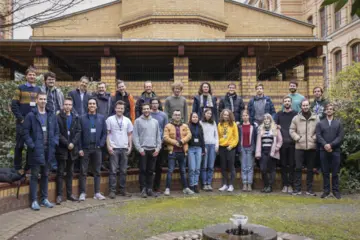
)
(304, 131)
(170, 136)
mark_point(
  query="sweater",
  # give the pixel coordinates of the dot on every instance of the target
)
(210, 133)
(20, 104)
(284, 119)
(330, 134)
(296, 101)
(228, 135)
(146, 134)
(176, 103)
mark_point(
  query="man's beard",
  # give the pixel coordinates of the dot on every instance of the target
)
(292, 90)
(287, 107)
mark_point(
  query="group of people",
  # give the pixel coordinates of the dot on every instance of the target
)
(81, 129)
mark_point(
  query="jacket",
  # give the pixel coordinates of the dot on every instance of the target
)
(200, 136)
(104, 104)
(146, 134)
(232, 135)
(333, 135)
(253, 135)
(34, 138)
(129, 105)
(199, 110)
(283, 119)
(101, 131)
(318, 107)
(143, 99)
(75, 95)
(58, 95)
(275, 147)
(62, 151)
(239, 106)
(170, 136)
(304, 131)
(269, 108)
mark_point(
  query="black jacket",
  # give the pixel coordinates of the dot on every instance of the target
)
(200, 136)
(141, 101)
(239, 106)
(77, 106)
(332, 135)
(64, 140)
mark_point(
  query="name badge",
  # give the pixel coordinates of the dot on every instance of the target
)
(68, 133)
(44, 128)
(196, 140)
(93, 130)
(32, 104)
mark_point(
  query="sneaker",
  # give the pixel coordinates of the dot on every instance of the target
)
(325, 195)
(58, 200)
(35, 206)
(337, 195)
(124, 193)
(150, 193)
(285, 189)
(112, 195)
(188, 191)
(72, 198)
(290, 189)
(82, 197)
(45, 203)
(205, 187)
(167, 192)
(99, 196)
(143, 193)
(210, 189)
(245, 187)
(268, 190)
(294, 193)
(231, 188)
(311, 193)
(223, 188)
(263, 190)
(196, 189)
(249, 188)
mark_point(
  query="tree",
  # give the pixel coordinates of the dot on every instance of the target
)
(355, 8)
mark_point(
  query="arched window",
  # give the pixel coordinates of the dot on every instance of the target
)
(337, 61)
(355, 52)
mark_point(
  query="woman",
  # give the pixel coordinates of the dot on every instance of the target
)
(269, 141)
(196, 151)
(228, 140)
(246, 146)
(205, 100)
(211, 148)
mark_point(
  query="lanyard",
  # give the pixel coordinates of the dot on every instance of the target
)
(317, 107)
(196, 131)
(120, 124)
(32, 96)
(92, 122)
(68, 121)
(42, 120)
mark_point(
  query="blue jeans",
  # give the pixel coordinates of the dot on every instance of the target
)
(247, 165)
(35, 171)
(173, 157)
(207, 168)
(194, 163)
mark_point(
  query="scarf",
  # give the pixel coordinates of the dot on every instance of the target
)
(209, 103)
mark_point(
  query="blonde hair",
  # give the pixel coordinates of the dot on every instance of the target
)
(273, 127)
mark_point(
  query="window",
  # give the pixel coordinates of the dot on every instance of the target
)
(355, 52)
(337, 19)
(337, 58)
(322, 23)
(310, 20)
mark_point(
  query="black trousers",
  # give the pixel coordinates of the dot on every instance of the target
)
(163, 154)
(66, 165)
(300, 156)
(92, 155)
(287, 158)
(330, 160)
(227, 161)
(147, 167)
(267, 167)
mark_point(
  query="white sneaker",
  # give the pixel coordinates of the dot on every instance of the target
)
(210, 188)
(188, 191)
(205, 187)
(98, 196)
(82, 197)
(167, 192)
(231, 188)
(223, 188)
(285, 189)
(290, 189)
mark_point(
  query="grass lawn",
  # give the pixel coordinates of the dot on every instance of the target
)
(313, 217)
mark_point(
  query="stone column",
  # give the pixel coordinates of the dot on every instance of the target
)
(42, 64)
(181, 74)
(313, 71)
(248, 77)
(108, 73)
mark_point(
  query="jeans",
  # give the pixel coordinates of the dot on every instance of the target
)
(267, 167)
(310, 156)
(35, 171)
(92, 155)
(194, 163)
(227, 160)
(330, 160)
(68, 166)
(180, 158)
(247, 165)
(147, 166)
(207, 166)
(19, 147)
(118, 160)
(163, 154)
(287, 158)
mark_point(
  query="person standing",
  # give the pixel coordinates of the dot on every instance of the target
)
(287, 152)
(68, 149)
(196, 151)
(119, 145)
(80, 96)
(259, 105)
(127, 98)
(41, 135)
(319, 103)
(147, 141)
(23, 102)
(92, 139)
(211, 140)
(246, 146)
(233, 102)
(103, 98)
(205, 100)
(303, 132)
(330, 134)
(228, 140)
(176, 102)
(177, 135)
(269, 141)
(145, 97)
(296, 98)
(55, 97)
(162, 119)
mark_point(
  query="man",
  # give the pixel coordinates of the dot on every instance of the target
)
(68, 149)
(80, 96)
(23, 102)
(103, 99)
(330, 134)
(162, 119)
(92, 139)
(259, 105)
(119, 145)
(287, 151)
(145, 97)
(55, 97)
(147, 141)
(176, 102)
(302, 131)
(233, 102)
(126, 97)
(176, 136)
(319, 103)
(296, 98)
(41, 135)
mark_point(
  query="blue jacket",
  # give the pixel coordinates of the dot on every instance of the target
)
(253, 133)
(269, 108)
(75, 95)
(34, 137)
(101, 131)
(199, 110)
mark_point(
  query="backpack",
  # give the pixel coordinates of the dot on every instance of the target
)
(10, 175)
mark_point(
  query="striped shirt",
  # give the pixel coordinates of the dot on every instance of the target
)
(267, 139)
(23, 96)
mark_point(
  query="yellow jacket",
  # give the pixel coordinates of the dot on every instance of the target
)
(228, 135)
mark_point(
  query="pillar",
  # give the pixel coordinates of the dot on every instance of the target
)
(181, 74)
(42, 65)
(248, 77)
(108, 73)
(313, 74)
